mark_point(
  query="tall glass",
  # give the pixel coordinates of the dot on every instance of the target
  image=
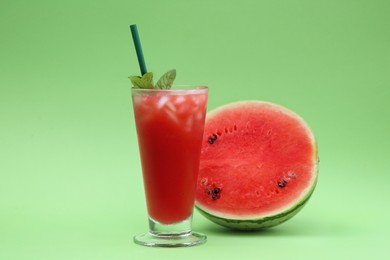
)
(170, 130)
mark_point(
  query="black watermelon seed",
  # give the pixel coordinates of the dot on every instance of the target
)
(282, 184)
(214, 197)
(216, 190)
(212, 138)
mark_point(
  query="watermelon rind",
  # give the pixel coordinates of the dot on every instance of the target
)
(259, 223)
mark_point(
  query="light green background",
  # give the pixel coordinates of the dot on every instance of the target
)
(70, 178)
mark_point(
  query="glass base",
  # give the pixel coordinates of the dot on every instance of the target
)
(174, 235)
(190, 239)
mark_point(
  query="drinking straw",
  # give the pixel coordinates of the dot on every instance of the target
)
(138, 48)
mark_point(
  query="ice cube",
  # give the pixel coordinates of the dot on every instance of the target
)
(172, 115)
(162, 101)
(197, 99)
(180, 99)
(171, 106)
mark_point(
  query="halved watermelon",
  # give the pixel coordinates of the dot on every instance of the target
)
(258, 166)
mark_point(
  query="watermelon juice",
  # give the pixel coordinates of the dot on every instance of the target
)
(169, 127)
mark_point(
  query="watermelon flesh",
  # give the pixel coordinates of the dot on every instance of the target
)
(258, 165)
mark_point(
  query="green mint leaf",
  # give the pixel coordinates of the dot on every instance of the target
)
(146, 81)
(166, 80)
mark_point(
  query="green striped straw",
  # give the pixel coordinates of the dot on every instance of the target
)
(138, 48)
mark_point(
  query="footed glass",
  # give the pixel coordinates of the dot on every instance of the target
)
(169, 127)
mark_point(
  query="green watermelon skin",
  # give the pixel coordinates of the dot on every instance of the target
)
(251, 197)
(257, 224)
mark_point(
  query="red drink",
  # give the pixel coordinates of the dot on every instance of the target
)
(170, 129)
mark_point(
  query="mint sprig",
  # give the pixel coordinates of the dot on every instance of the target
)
(166, 80)
(146, 81)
